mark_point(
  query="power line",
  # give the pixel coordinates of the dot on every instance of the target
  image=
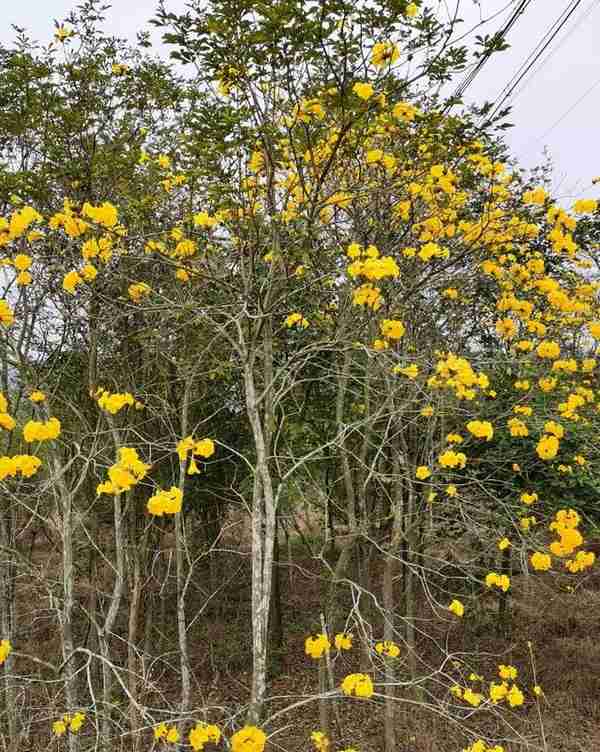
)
(533, 57)
(551, 54)
(500, 36)
(567, 113)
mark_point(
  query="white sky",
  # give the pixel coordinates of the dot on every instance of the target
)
(569, 76)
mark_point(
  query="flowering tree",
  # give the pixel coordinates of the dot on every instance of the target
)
(363, 285)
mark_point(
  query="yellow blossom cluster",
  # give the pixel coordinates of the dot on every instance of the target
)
(317, 646)
(296, 319)
(248, 739)
(113, 403)
(5, 650)
(204, 448)
(387, 648)
(456, 607)
(166, 733)
(21, 464)
(358, 685)
(202, 734)
(456, 373)
(165, 502)
(501, 581)
(452, 459)
(343, 641)
(35, 430)
(68, 722)
(127, 472)
(481, 429)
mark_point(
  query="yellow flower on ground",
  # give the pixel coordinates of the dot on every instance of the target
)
(427, 411)
(457, 608)
(422, 472)
(503, 544)
(359, 685)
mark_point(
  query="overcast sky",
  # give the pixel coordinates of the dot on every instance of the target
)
(557, 108)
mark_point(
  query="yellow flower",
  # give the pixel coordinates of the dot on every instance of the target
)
(35, 430)
(482, 429)
(5, 650)
(457, 608)
(204, 448)
(507, 672)
(160, 731)
(411, 10)
(203, 733)
(392, 329)
(540, 562)
(452, 459)
(165, 502)
(500, 581)
(473, 698)
(317, 646)
(387, 648)
(515, 696)
(320, 741)
(138, 291)
(503, 544)
(59, 728)
(411, 372)
(76, 722)
(343, 641)
(296, 319)
(359, 685)
(549, 350)
(529, 498)
(498, 692)
(70, 281)
(6, 314)
(193, 468)
(384, 53)
(422, 472)
(427, 411)
(547, 447)
(363, 90)
(172, 735)
(451, 490)
(248, 739)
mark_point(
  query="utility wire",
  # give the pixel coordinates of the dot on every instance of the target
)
(567, 113)
(584, 17)
(533, 57)
(500, 35)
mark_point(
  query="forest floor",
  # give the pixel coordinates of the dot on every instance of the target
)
(560, 617)
(562, 624)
